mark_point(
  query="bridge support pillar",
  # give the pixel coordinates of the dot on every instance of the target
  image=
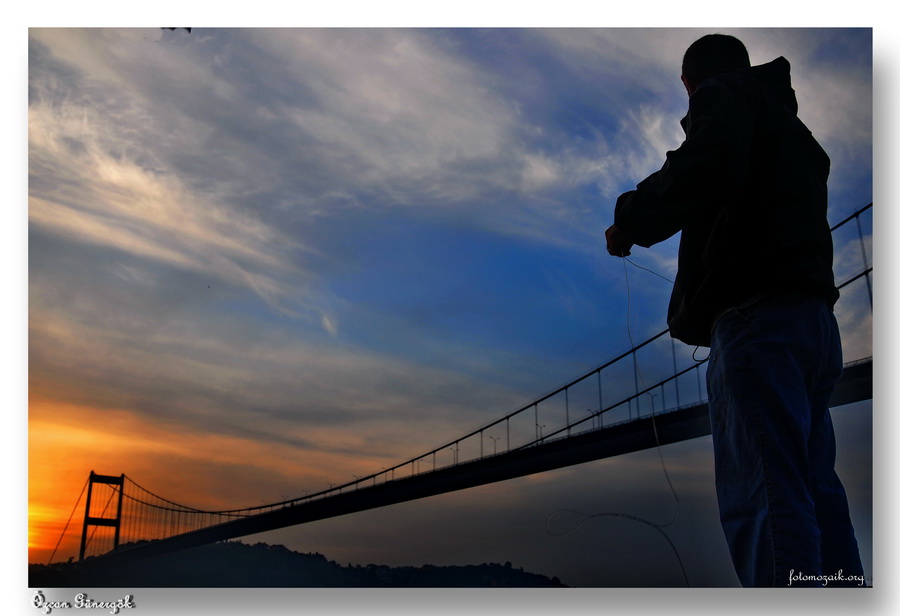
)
(89, 520)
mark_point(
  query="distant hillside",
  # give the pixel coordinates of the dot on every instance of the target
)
(237, 565)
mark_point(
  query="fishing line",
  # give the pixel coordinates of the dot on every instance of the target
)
(670, 281)
(660, 528)
(644, 386)
(586, 517)
(646, 269)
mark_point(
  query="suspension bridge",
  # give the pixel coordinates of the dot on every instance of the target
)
(649, 396)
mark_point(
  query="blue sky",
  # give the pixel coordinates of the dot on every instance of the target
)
(276, 259)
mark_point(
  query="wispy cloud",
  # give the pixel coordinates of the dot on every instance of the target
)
(92, 184)
(394, 105)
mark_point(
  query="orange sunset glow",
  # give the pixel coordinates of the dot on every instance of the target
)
(66, 443)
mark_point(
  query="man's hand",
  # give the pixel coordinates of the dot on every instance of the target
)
(618, 244)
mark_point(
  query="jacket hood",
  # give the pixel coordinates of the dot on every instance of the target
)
(777, 76)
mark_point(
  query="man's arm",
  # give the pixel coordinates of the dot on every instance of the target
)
(710, 165)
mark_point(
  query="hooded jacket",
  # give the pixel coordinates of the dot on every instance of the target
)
(747, 189)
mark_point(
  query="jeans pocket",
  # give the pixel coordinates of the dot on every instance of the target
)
(730, 321)
(730, 329)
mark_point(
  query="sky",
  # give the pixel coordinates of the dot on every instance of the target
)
(263, 261)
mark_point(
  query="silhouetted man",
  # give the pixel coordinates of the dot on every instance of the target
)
(747, 191)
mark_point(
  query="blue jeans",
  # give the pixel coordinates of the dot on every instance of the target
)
(773, 366)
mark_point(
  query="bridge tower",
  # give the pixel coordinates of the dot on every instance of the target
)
(114, 522)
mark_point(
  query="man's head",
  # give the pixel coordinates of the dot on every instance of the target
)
(710, 55)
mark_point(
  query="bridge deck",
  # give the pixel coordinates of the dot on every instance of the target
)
(626, 437)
